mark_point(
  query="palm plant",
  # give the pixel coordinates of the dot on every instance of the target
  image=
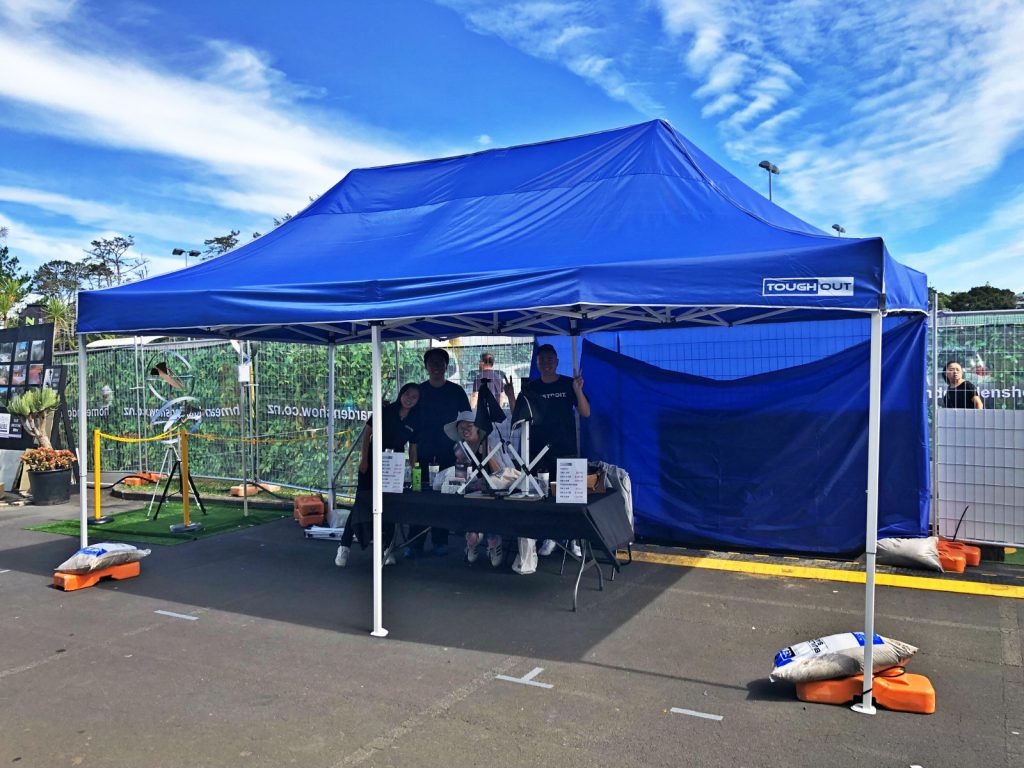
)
(13, 291)
(62, 314)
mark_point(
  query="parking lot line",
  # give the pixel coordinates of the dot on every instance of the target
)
(174, 615)
(829, 574)
(695, 713)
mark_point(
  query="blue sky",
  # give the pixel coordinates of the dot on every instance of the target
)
(176, 122)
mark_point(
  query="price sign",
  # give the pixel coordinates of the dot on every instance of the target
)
(392, 467)
(572, 481)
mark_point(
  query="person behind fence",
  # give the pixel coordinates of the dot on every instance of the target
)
(399, 428)
(488, 373)
(961, 393)
(557, 398)
(464, 430)
(440, 402)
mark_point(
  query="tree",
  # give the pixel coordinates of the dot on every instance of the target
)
(13, 291)
(217, 246)
(59, 279)
(979, 299)
(113, 264)
(9, 266)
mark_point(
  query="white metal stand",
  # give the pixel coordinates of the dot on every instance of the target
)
(378, 491)
(866, 706)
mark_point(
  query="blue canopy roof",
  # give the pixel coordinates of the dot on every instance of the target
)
(624, 229)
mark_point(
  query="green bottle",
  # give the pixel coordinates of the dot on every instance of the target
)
(417, 478)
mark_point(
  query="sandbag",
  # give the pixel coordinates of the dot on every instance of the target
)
(910, 553)
(92, 558)
(834, 656)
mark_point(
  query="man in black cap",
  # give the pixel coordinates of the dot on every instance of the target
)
(441, 401)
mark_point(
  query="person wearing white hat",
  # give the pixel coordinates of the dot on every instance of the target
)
(464, 430)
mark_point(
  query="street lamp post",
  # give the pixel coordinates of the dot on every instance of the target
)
(772, 169)
(180, 251)
(839, 230)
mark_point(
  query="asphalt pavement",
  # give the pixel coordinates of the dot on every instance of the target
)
(253, 649)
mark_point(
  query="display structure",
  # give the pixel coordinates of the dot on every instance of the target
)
(26, 355)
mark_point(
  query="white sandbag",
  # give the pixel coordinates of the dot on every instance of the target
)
(840, 655)
(910, 553)
(97, 556)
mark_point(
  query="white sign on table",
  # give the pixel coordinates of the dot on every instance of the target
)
(5, 425)
(571, 475)
(392, 468)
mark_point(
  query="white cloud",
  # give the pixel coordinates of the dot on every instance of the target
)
(484, 140)
(227, 120)
(36, 13)
(994, 248)
(565, 33)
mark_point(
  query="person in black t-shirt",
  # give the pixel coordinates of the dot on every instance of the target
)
(398, 428)
(555, 397)
(961, 393)
(441, 401)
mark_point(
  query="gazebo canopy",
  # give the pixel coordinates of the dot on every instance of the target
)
(623, 229)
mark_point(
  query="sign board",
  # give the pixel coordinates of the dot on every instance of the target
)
(26, 354)
(571, 475)
(392, 467)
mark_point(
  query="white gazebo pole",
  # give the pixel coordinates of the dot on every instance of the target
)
(83, 447)
(871, 535)
(330, 430)
(378, 495)
(575, 371)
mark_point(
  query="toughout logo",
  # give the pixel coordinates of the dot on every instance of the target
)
(807, 286)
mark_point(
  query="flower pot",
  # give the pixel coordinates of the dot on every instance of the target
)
(50, 486)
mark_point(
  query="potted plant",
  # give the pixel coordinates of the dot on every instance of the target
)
(49, 474)
(49, 471)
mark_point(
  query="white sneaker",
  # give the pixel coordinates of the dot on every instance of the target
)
(496, 555)
(341, 559)
(473, 546)
(574, 547)
(546, 547)
(390, 559)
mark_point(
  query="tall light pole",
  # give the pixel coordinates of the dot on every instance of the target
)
(772, 169)
(180, 251)
(839, 230)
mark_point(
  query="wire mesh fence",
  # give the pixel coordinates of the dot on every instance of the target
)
(272, 428)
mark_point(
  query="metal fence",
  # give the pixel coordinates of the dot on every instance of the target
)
(978, 456)
(276, 425)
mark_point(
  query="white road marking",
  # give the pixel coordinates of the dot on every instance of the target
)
(174, 615)
(526, 679)
(7, 571)
(694, 713)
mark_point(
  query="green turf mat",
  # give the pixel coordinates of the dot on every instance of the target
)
(134, 528)
(1016, 557)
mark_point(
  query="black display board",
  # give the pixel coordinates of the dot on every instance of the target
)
(26, 355)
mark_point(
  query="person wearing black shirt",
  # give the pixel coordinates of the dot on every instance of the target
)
(398, 428)
(441, 401)
(555, 397)
(961, 393)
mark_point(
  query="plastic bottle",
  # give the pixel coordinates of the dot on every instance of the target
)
(432, 471)
(407, 482)
(417, 478)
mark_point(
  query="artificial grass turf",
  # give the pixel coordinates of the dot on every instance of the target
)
(133, 527)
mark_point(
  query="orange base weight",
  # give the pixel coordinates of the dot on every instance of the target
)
(251, 490)
(309, 510)
(899, 692)
(952, 562)
(69, 582)
(972, 554)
